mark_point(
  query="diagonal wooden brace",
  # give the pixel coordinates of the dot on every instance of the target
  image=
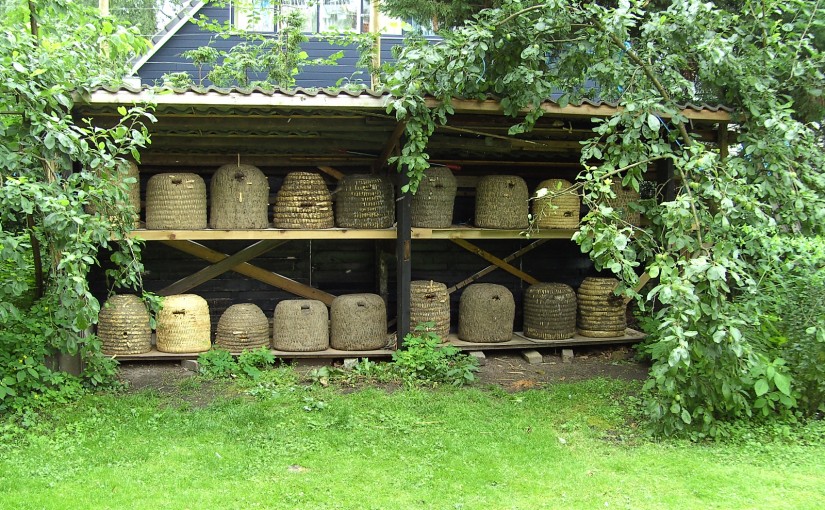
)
(500, 263)
(489, 269)
(247, 269)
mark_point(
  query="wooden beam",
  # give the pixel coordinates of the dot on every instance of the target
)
(490, 269)
(392, 143)
(210, 160)
(331, 172)
(270, 233)
(639, 285)
(403, 254)
(495, 260)
(723, 140)
(227, 264)
(247, 269)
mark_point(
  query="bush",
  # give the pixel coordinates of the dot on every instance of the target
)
(425, 361)
(219, 363)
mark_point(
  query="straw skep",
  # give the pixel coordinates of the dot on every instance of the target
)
(502, 202)
(365, 201)
(303, 202)
(300, 325)
(176, 201)
(358, 322)
(184, 324)
(432, 204)
(486, 313)
(239, 198)
(601, 313)
(624, 197)
(550, 311)
(430, 302)
(123, 326)
(558, 208)
(242, 327)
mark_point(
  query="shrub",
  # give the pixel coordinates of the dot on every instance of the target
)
(425, 361)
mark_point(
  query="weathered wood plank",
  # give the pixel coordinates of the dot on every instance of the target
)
(207, 273)
(519, 341)
(495, 260)
(247, 269)
(254, 235)
(403, 255)
(490, 269)
(332, 172)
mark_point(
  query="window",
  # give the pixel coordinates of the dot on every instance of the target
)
(253, 15)
(307, 8)
(339, 15)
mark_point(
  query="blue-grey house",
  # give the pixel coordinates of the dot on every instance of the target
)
(320, 16)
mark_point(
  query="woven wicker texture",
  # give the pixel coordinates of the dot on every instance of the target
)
(358, 322)
(486, 313)
(365, 201)
(550, 311)
(556, 209)
(176, 201)
(432, 204)
(301, 325)
(429, 302)
(502, 202)
(601, 313)
(625, 196)
(184, 324)
(303, 202)
(239, 198)
(123, 326)
(242, 327)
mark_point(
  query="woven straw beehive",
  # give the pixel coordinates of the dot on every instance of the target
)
(624, 196)
(364, 201)
(502, 202)
(239, 198)
(184, 324)
(550, 311)
(486, 313)
(432, 204)
(241, 327)
(301, 325)
(176, 201)
(558, 208)
(429, 302)
(303, 202)
(601, 313)
(123, 326)
(358, 322)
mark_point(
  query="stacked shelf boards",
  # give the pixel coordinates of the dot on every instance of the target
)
(519, 341)
(155, 355)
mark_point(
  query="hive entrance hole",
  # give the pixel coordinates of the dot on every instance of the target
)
(177, 181)
(306, 205)
(305, 309)
(362, 304)
(429, 296)
(239, 176)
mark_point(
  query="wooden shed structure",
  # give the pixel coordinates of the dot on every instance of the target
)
(339, 133)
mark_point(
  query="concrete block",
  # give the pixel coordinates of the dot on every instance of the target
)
(567, 355)
(532, 356)
(349, 363)
(479, 355)
(190, 364)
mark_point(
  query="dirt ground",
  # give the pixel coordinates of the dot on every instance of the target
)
(507, 369)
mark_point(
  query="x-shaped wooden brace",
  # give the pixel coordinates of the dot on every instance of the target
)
(497, 263)
(221, 263)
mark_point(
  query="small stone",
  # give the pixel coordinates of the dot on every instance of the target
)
(532, 356)
(567, 355)
(479, 355)
(349, 363)
(190, 364)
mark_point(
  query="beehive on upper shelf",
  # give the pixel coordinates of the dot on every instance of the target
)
(239, 198)
(176, 201)
(502, 202)
(365, 201)
(303, 202)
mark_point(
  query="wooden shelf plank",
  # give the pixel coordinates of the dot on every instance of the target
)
(520, 341)
(155, 355)
(269, 233)
(457, 232)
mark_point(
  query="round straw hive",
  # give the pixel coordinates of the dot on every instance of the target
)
(502, 202)
(364, 201)
(303, 202)
(558, 208)
(429, 302)
(242, 327)
(358, 322)
(624, 196)
(550, 311)
(601, 313)
(123, 326)
(432, 204)
(301, 325)
(184, 324)
(239, 198)
(486, 313)
(176, 201)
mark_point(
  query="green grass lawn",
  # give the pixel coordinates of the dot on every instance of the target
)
(564, 446)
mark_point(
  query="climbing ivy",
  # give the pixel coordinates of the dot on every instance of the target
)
(703, 248)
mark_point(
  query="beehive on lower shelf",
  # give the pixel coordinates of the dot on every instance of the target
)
(184, 324)
(300, 325)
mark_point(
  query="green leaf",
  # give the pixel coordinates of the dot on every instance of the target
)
(761, 387)
(652, 122)
(782, 383)
(686, 416)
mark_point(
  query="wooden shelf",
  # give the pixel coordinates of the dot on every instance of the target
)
(155, 355)
(520, 341)
(456, 232)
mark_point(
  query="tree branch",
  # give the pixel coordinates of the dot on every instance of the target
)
(519, 13)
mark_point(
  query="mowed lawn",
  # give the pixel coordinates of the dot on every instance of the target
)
(300, 447)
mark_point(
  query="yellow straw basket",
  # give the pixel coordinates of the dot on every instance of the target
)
(184, 325)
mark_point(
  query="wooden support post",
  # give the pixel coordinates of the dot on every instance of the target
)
(723, 140)
(495, 260)
(227, 264)
(403, 254)
(389, 147)
(489, 269)
(247, 269)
